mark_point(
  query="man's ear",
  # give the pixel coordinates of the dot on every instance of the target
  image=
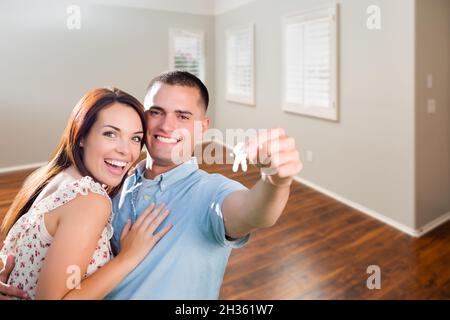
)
(205, 125)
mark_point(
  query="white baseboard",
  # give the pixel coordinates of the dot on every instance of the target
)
(22, 167)
(380, 217)
(433, 224)
(397, 225)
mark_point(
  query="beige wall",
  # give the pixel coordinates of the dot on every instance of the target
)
(432, 130)
(368, 156)
(45, 68)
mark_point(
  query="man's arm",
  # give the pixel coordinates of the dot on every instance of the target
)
(261, 206)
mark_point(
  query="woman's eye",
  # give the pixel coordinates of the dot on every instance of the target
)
(109, 134)
(137, 139)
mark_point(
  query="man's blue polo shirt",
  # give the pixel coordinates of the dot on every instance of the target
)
(190, 260)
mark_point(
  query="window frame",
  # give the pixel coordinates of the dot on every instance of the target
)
(332, 12)
(200, 34)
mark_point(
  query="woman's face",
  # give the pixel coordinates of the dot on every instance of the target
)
(113, 144)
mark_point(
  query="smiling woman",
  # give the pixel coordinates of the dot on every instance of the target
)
(82, 125)
(61, 218)
(113, 143)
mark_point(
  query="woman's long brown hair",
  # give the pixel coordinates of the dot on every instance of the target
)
(69, 152)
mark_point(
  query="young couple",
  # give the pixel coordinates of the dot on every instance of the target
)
(82, 228)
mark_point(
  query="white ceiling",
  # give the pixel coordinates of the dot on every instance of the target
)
(221, 6)
(205, 7)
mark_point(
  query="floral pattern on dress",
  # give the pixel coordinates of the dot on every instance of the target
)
(28, 240)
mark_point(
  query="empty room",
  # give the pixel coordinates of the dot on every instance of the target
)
(225, 150)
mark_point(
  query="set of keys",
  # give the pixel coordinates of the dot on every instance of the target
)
(240, 159)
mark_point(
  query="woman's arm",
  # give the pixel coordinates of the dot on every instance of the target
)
(136, 242)
(75, 240)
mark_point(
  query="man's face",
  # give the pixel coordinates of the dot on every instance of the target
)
(172, 112)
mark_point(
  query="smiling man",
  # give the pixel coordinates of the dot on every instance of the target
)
(210, 213)
(174, 103)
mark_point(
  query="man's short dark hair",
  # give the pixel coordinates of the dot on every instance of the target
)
(183, 79)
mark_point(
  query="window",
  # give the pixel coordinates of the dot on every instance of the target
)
(310, 63)
(240, 65)
(186, 52)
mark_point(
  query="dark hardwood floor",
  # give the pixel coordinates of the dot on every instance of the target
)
(320, 249)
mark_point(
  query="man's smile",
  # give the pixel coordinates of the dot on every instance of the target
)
(167, 139)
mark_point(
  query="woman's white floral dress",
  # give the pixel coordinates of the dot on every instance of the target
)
(28, 240)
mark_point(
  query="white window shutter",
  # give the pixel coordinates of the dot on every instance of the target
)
(294, 63)
(310, 63)
(317, 64)
(240, 64)
(186, 52)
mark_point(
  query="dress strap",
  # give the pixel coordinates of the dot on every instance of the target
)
(68, 192)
